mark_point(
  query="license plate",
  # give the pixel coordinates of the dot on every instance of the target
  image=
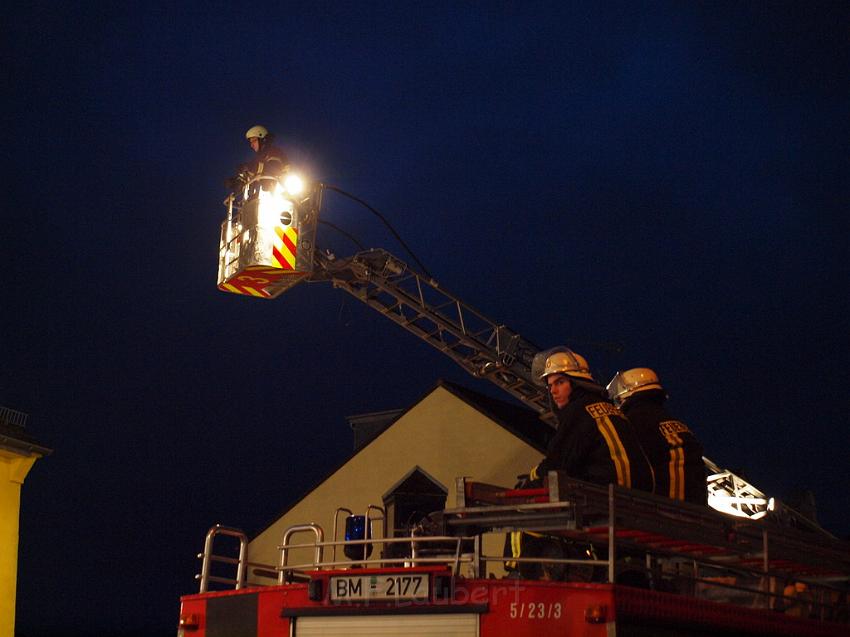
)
(380, 587)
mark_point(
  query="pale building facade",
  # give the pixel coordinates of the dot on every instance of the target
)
(450, 432)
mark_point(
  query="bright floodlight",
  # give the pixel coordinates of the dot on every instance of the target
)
(293, 184)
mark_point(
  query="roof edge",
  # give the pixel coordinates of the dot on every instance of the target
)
(459, 392)
(455, 390)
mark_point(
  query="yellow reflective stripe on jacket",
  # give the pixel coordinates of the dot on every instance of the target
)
(516, 544)
(516, 547)
(616, 451)
(677, 473)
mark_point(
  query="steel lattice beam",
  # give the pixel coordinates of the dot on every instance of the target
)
(480, 346)
(483, 348)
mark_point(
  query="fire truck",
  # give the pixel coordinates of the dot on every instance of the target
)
(617, 561)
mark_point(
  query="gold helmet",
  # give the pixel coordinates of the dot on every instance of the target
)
(626, 384)
(560, 360)
(257, 131)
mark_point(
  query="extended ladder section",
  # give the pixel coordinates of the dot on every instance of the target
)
(268, 245)
(483, 348)
(722, 550)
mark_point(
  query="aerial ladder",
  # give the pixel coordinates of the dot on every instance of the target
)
(268, 245)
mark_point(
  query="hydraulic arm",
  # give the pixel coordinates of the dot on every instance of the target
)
(483, 348)
(268, 245)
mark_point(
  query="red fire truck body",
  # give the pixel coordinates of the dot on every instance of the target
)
(479, 607)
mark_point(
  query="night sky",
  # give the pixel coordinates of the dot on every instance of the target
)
(671, 177)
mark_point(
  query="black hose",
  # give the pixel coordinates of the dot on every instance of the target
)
(385, 222)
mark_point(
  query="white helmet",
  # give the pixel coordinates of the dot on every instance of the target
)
(560, 360)
(257, 131)
(625, 384)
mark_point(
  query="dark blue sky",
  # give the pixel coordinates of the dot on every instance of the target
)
(670, 176)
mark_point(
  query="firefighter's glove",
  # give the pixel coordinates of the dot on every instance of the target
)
(242, 177)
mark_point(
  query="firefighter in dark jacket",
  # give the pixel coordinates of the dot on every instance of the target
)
(270, 161)
(673, 450)
(594, 441)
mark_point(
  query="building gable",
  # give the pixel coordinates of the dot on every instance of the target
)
(442, 434)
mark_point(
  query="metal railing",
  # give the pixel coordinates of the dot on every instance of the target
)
(13, 417)
(208, 558)
(285, 547)
(416, 558)
(450, 547)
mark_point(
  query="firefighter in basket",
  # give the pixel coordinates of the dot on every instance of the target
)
(269, 161)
